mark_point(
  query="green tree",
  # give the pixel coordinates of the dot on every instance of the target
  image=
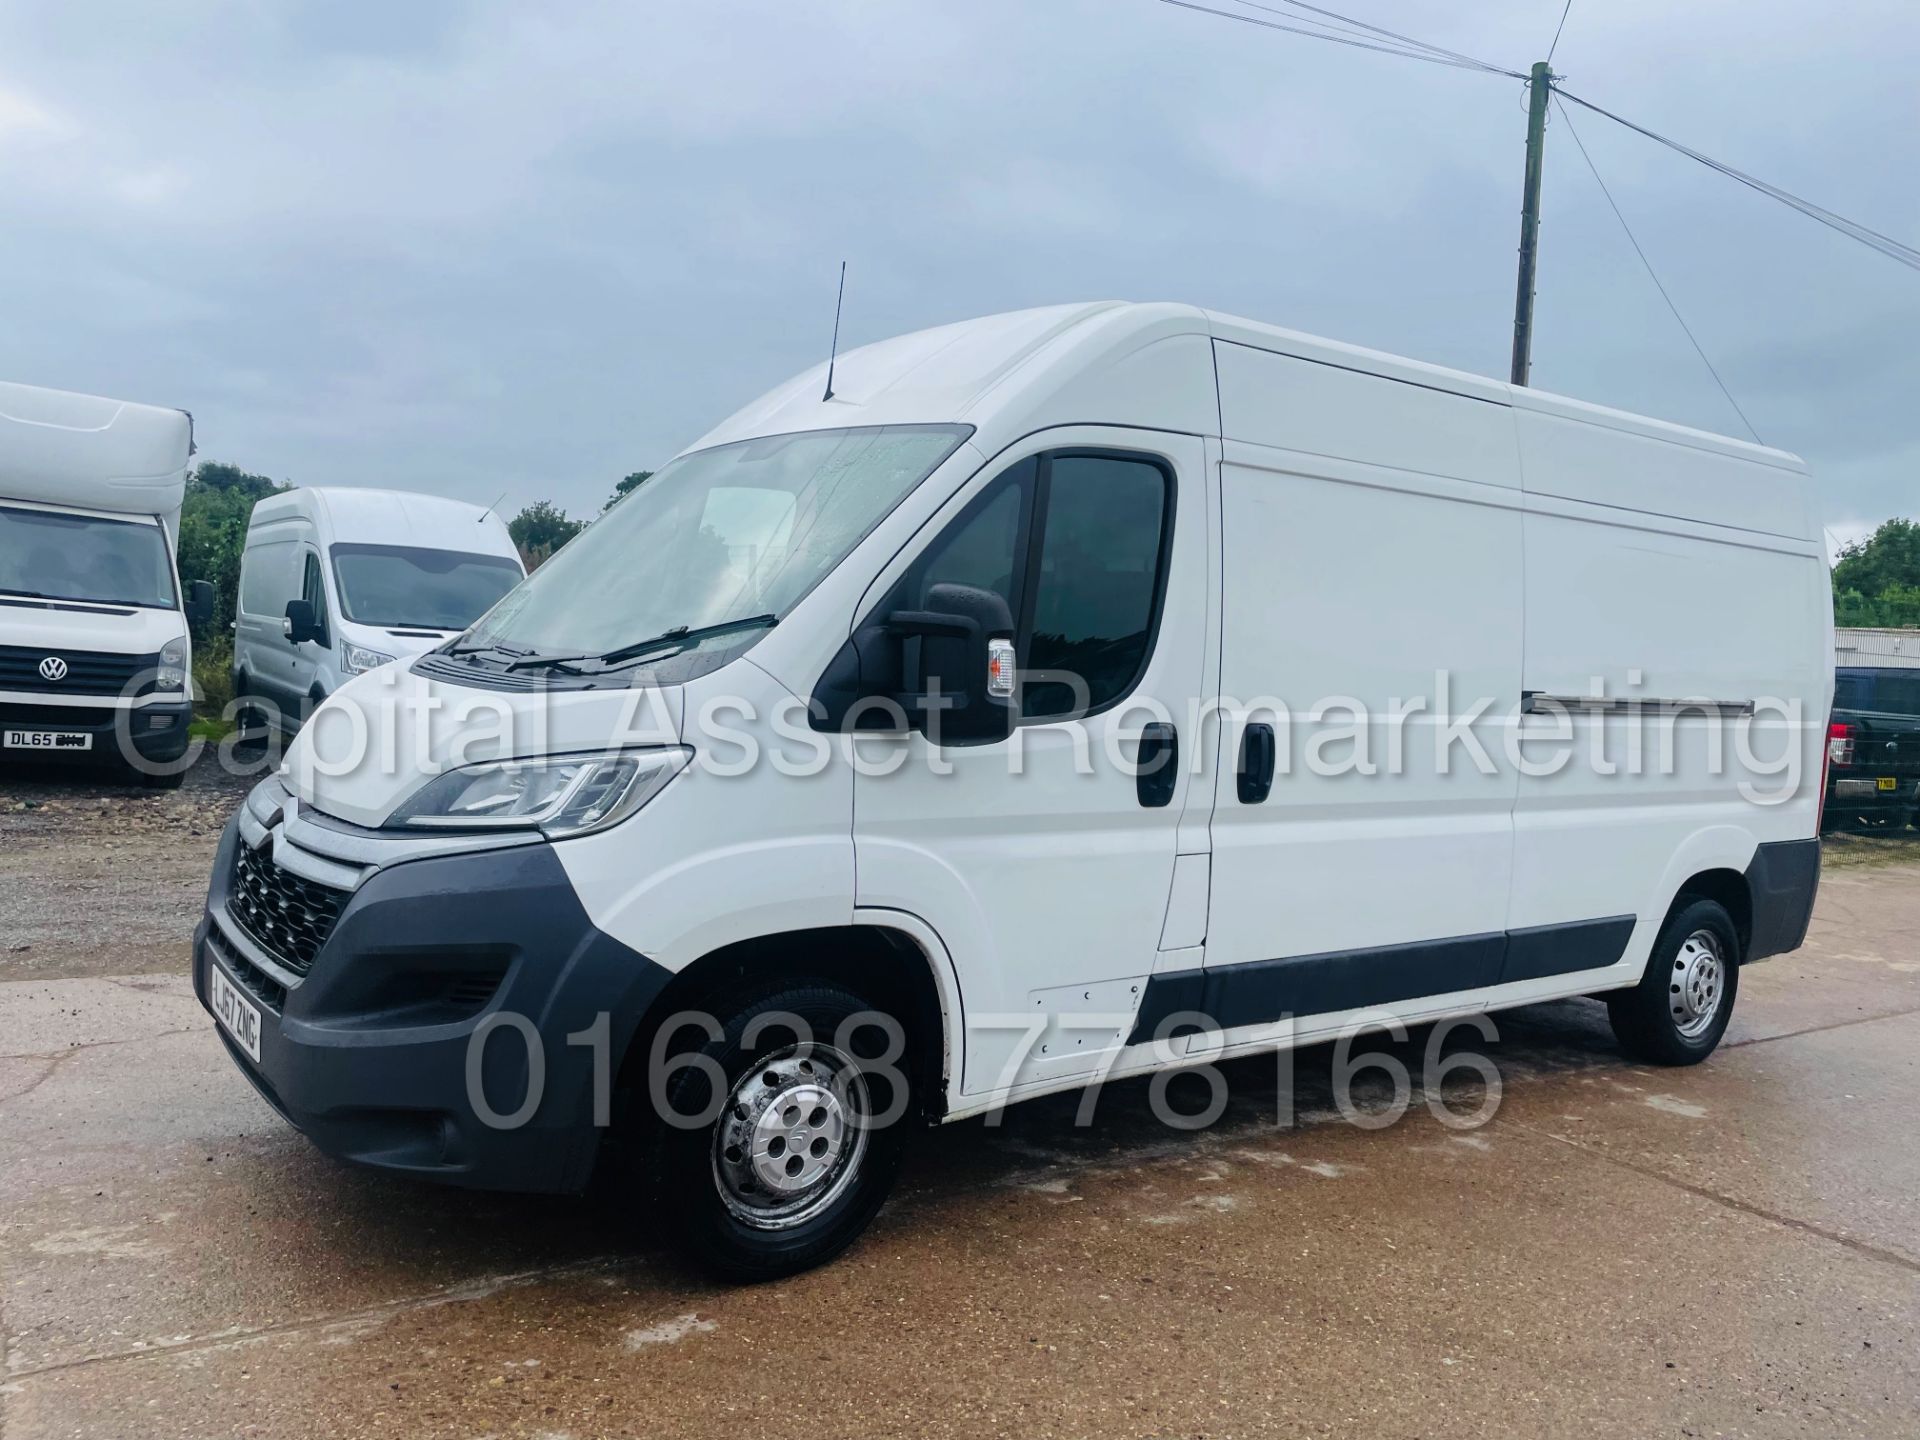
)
(1878, 577)
(625, 488)
(541, 529)
(213, 531)
(1894, 607)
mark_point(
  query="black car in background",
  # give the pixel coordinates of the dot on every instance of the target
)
(1873, 749)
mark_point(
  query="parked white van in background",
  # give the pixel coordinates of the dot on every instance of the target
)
(1054, 697)
(95, 662)
(335, 581)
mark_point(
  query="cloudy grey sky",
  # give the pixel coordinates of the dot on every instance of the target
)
(475, 248)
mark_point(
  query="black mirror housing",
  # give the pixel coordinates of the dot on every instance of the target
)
(929, 668)
(199, 602)
(302, 623)
(951, 698)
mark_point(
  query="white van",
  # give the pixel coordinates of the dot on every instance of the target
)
(1059, 696)
(335, 581)
(94, 655)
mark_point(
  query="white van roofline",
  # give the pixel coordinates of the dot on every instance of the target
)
(346, 514)
(87, 452)
(1115, 362)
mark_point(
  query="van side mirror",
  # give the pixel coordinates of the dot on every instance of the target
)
(301, 623)
(962, 689)
(199, 602)
(947, 670)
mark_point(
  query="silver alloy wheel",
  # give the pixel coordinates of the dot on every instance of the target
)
(1698, 984)
(791, 1137)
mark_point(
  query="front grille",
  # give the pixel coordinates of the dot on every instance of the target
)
(255, 981)
(288, 917)
(88, 672)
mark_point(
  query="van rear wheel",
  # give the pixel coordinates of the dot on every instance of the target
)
(783, 1128)
(1680, 1009)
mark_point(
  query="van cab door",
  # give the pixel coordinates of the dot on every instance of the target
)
(1044, 862)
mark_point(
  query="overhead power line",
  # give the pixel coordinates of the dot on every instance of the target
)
(1565, 10)
(1412, 51)
(1362, 25)
(1893, 249)
(1651, 275)
(1363, 36)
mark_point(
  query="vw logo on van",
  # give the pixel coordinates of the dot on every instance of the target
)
(53, 668)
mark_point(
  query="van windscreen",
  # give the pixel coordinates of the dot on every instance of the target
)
(412, 588)
(51, 555)
(718, 536)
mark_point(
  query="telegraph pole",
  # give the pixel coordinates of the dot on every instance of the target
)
(1538, 89)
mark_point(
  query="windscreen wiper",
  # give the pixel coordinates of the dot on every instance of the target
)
(458, 649)
(682, 637)
(679, 638)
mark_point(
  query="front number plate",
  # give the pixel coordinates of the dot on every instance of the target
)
(46, 740)
(237, 1015)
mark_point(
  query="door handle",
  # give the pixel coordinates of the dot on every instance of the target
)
(1158, 770)
(1255, 780)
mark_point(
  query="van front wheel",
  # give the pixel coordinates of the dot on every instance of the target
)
(1680, 1009)
(782, 1131)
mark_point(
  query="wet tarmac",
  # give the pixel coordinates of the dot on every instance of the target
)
(1729, 1250)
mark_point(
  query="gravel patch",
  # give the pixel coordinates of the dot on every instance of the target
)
(100, 877)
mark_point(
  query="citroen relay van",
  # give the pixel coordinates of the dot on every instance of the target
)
(1051, 698)
(337, 581)
(95, 658)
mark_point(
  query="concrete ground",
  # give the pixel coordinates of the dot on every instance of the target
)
(1729, 1250)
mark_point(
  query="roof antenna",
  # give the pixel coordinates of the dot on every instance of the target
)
(833, 352)
(481, 517)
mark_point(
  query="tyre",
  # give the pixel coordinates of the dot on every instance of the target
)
(1680, 1009)
(782, 1148)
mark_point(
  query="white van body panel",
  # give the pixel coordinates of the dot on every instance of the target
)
(84, 451)
(284, 529)
(1349, 496)
(685, 886)
(1347, 524)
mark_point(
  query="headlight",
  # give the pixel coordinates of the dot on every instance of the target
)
(171, 673)
(357, 659)
(559, 795)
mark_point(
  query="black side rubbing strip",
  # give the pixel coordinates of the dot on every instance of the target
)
(1262, 991)
(1542, 950)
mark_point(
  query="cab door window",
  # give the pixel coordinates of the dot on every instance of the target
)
(1075, 542)
(1097, 582)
